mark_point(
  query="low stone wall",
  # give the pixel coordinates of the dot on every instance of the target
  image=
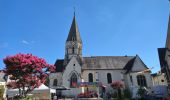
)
(89, 99)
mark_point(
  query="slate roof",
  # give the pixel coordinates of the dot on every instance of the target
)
(74, 34)
(154, 74)
(162, 53)
(168, 35)
(129, 64)
(102, 62)
(59, 65)
(106, 62)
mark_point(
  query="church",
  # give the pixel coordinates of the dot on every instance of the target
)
(75, 68)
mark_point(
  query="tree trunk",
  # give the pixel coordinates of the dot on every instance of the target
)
(119, 94)
(20, 92)
(24, 92)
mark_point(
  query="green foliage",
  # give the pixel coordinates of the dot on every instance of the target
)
(119, 94)
(114, 95)
(47, 81)
(2, 89)
(141, 92)
(24, 98)
(127, 94)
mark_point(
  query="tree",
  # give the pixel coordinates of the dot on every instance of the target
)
(127, 94)
(117, 85)
(26, 72)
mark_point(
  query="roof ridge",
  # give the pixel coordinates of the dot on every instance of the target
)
(107, 56)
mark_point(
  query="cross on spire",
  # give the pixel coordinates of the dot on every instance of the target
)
(74, 10)
(74, 34)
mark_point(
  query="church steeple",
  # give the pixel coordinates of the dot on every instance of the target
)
(168, 35)
(74, 34)
(73, 43)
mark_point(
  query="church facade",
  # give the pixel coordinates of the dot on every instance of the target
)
(164, 57)
(75, 68)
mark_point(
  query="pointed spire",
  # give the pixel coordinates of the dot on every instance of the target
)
(168, 35)
(74, 11)
(74, 34)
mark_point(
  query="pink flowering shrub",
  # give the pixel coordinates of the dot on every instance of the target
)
(26, 72)
(117, 84)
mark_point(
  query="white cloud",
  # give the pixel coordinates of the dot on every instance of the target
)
(25, 42)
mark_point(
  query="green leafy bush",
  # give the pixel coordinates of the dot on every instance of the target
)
(24, 98)
(141, 92)
(127, 94)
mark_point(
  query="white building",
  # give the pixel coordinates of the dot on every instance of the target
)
(3, 84)
(159, 79)
(105, 69)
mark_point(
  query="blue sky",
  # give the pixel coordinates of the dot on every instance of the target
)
(107, 28)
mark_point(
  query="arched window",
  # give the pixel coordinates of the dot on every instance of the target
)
(141, 80)
(55, 82)
(90, 77)
(109, 78)
(67, 51)
(73, 50)
(73, 80)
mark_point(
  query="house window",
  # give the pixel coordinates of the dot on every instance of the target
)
(131, 79)
(109, 78)
(67, 51)
(90, 77)
(141, 80)
(73, 80)
(55, 82)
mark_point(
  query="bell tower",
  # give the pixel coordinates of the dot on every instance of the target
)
(73, 46)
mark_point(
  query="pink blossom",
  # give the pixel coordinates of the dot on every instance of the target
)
(27, 70)
(117, 84)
